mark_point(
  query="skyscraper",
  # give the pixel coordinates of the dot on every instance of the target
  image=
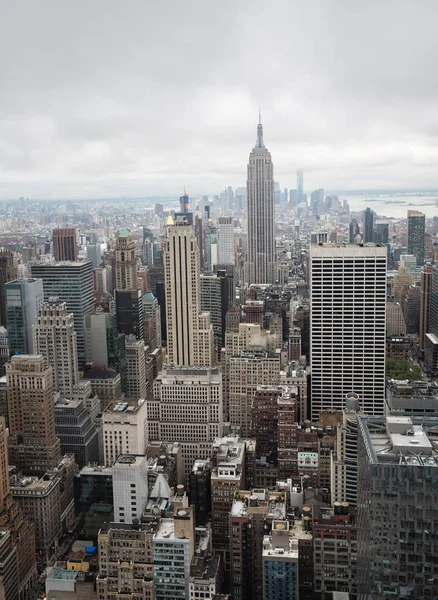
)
(55, 339)
(368, 226)
(72, 283)
(300, 185)
(126, 264)
(261, 266)
(354, 231)
(225, 231)
(8, 272)
(24, 298)
(33, 445)
(425, 298)
(416, 230)
(189, 331)
(65, 246)
(348, 312)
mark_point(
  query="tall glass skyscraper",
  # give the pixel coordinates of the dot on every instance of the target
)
(261, 266)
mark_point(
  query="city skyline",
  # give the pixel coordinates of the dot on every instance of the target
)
(113, 127)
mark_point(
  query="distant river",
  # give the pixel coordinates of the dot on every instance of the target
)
(394, 207)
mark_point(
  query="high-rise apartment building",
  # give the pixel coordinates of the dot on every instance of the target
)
(55, 339)
(126, 561)
(262, 263)
(8, 272)
(225, 232)
(280, 563)
(130, 487)
(425, 299)
(126, 264)
(348, 313)
(17, 535)
(33, 445)
(396, 533)
(135, 368)
(189, 331)
(152, 321)
(416, 231)
(368, 226)
(65, 245)
(104, 345)
(300, 186)
(124, 429)
(24, 298)
(187, 408)
(247, 371)
(72, 283)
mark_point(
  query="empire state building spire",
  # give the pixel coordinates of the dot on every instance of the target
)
(261, 265)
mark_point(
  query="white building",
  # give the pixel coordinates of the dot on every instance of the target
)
(130, 487)
(347, 326)
(187, 408)
(225, 231)
(124, 429)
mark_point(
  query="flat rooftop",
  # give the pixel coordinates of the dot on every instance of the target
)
(125, 407)
(401, 439)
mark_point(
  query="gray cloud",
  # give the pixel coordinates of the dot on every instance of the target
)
(141, 97)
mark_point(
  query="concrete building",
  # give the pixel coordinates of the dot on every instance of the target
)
(410, 398)
(348, 318)
(17, 536)
(55, 339)
(396, 537)
(126, 264)
(189, 331)
(152, 321)
(225, 231)
(72, 283)
(124, 429)
(76, 431)
(104, 344)
(174, 547)
(416, 231)
(126, 561)
(425, 300)
(431, 338)
(280, 563)
(94, 255)
(205, 578)
(33, 445)
(395, 321)
(70, 584)
(105, 383)
(228, 475)
(247, 371)
(135, 368)
(8, 272)
(65, 245)
(343, 459)
(252, 514)
(262, 261)
(187, 408)
(24, 298)
(130, 487)
(334, 549)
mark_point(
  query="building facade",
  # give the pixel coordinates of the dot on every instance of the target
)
(24, 298)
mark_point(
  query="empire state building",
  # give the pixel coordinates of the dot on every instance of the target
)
(261, 266)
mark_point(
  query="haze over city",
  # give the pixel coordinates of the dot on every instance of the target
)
(108, 99)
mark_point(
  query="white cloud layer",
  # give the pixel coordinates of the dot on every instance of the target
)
(109, 98)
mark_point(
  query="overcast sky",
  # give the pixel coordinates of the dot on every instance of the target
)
(141, 97)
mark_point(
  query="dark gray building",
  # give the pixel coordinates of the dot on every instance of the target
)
(24, 298)
(368, 226)
(76, 431)
(129, 312)
(71, 282)
(416, 231)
